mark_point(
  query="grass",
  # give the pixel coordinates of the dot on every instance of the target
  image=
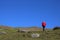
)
(12, 34)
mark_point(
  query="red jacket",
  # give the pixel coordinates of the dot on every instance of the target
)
(43, 23)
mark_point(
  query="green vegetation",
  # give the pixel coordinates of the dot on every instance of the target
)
(12, 34)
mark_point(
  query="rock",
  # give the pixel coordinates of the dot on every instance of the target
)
(35, 35)
(2, 32)
(23, 31)
(55, 28)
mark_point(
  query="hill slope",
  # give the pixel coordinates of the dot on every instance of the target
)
(12, 34)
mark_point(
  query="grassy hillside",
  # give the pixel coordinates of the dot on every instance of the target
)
(12, 34)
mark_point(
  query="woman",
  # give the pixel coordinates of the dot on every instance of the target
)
(43, 25)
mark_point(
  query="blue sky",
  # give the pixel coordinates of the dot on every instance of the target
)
(26, 13)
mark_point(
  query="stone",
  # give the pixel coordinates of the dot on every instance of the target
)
(35, 35)
(2, 32)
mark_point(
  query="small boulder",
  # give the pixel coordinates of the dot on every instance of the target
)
(35, 35)
(2, 32)
(55, 28)
(23, 31)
